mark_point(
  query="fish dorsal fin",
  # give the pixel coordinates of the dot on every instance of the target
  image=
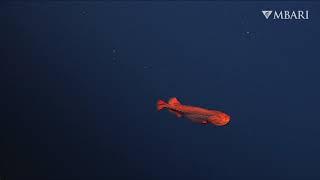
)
(174, 101)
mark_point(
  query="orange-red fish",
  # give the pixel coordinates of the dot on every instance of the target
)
(195, 114)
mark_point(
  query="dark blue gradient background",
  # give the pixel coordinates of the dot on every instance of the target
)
(81, 81)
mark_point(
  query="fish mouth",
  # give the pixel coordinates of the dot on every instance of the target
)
(227, 124)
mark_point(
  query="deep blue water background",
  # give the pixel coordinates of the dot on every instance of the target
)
(81, 81)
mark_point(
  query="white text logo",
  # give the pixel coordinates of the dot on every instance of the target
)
(286, 15)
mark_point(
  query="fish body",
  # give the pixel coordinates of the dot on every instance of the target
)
(195, 114)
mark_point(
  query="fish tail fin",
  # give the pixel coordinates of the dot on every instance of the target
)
(161, 104)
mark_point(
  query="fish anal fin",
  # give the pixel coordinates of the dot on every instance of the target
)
(175, 112)
(174, 101)
(196, 118)
(204, 122)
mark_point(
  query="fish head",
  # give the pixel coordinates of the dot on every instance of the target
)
(225, 118)
(220, 119)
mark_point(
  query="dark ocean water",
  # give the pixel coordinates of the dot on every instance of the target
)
(81, 81)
